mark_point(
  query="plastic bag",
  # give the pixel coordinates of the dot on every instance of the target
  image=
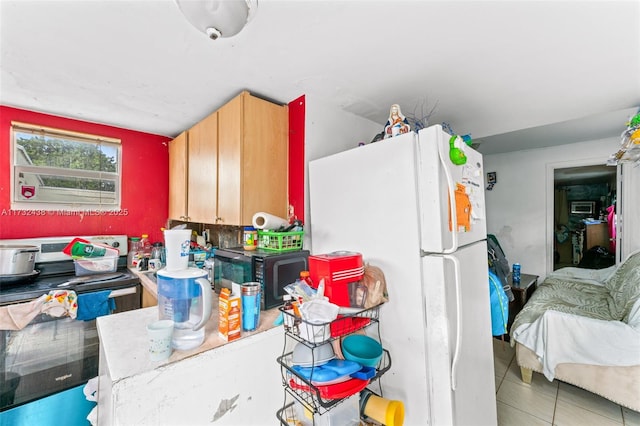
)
(376, 286)
(300, 289)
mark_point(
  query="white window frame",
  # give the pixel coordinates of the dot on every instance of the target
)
(17, 204)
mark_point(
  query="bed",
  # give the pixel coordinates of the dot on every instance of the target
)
(582, 326)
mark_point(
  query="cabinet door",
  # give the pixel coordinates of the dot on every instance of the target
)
(178, 177)
(202, 180)
(265, 159)
(597, 235)
(253, 159)
(148, 299)
(229, 161)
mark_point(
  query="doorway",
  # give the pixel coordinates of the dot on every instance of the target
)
(581, 220)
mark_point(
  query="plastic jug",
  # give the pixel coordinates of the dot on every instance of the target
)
(177, 243)
(185, 298)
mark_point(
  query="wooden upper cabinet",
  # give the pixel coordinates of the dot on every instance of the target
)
(232, 164)
(178, 168)
(202, 182)
(229, 161)
(252, 159)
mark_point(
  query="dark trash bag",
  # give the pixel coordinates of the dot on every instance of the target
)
(498, 264)
(597, 257)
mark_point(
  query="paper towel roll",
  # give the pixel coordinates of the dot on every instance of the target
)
(263, 220)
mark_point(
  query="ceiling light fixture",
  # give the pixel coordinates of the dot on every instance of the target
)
(218, 18)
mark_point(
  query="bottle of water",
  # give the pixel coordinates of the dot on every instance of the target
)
(515, 275)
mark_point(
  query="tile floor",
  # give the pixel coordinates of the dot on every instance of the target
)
(549, 403)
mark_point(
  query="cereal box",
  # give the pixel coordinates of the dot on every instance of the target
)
(229, 315)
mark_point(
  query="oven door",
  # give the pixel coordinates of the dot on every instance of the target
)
(275, 272)
(52, 354)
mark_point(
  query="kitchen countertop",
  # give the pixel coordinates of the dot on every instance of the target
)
(217, 381)
(146, 281)
(123, 337)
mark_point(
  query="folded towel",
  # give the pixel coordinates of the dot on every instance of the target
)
(17, 316)
(59, 303)
(93, 305)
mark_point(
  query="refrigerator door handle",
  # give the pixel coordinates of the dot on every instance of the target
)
(452, 203)
(456, 353)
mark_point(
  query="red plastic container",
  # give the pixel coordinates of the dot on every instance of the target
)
(342, 272)
(335, 391)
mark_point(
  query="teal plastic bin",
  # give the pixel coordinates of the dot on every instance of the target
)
(69, 408)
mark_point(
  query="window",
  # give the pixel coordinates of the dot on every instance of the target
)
(583, 207)
(56, 169)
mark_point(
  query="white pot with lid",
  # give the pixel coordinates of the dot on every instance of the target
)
(17, 259)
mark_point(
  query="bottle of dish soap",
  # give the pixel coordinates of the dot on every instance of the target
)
(80, 249)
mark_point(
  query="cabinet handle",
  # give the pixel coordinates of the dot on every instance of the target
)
(122, 292)
(452, 198)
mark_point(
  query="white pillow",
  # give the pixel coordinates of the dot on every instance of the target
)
(597, 275)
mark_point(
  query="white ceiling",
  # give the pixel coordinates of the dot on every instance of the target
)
(513, 73)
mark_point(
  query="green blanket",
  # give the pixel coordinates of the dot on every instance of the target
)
(572, 297)
(624, 288)
(612, 301)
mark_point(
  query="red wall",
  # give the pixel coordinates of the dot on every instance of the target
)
(296, 157)
(145, 184)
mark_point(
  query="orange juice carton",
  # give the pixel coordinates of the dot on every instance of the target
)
(229, 314)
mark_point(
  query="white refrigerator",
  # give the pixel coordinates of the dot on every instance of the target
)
(389, 200)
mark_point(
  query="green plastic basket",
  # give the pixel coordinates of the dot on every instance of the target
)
(280, 241)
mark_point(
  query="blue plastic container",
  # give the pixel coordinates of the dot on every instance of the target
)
(250, 299)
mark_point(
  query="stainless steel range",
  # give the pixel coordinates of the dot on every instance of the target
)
(53, 268)
(49, 361)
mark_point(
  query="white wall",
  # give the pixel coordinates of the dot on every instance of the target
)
(517, 207)
(328, 131)
(629, 210)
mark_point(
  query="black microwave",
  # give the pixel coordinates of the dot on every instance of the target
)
(274, 271)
